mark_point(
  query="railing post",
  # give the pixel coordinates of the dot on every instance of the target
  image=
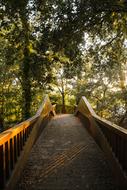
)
(15, 149)
(2, 173)
(11, 153)
(7, 160)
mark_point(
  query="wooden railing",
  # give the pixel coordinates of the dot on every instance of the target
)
(111, 138)
(16, 143)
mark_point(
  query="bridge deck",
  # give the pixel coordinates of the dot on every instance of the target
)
(65, 157)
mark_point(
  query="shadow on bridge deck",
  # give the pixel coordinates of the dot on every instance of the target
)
(66, 157)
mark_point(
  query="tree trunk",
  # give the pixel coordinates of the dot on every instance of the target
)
(2, 116)
(1, 123)
(26, 84)
(63, 103)
(26, 88)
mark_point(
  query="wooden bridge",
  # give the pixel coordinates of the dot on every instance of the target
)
(63, 152)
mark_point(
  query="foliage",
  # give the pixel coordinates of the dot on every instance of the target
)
(58, 48)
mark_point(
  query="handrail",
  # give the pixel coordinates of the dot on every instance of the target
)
(19, 139)
(111, 138)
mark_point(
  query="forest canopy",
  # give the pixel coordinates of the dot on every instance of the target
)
(64, 48)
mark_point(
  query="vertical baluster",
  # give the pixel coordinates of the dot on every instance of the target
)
(18, 145)
(112, 139)
(113, 142)
(28, 131)
(31, 127)
(23, 137)
(125, 156)
(109, 137)
(12, 153)
(15, 149)
(106, 134)
(25, 134)
(2, 173)
(123, 150)
(118, 147)
(21, 140)
(7, 160)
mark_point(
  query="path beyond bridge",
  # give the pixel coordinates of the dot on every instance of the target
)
(66, 157)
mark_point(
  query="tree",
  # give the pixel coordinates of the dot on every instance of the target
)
(38, 32)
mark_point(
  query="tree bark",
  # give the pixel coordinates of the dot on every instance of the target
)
(26, 83)
(63, 103)
(2, 116)
(26, 87)
(1, 122)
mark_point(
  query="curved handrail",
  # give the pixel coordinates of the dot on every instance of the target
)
(44, 110)
(18, 138)
(86, 109)
(110, 137)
